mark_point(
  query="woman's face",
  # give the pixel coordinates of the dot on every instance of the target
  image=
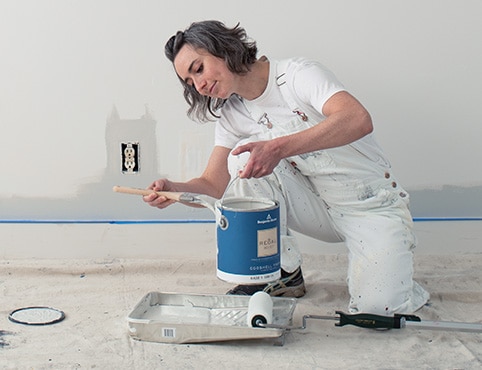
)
(208, 74)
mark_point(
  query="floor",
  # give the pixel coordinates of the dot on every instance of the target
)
(98, 294)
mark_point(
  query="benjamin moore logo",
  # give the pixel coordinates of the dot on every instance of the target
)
(267, 220)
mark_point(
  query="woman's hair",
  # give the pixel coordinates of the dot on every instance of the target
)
(230, 44)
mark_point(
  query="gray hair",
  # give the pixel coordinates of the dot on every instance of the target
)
(230, 44)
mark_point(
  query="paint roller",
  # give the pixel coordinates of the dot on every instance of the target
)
(260, 315)
(260, 310)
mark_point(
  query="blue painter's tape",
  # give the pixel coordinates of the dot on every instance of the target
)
(119, 222)
(432, 219)
(194, 221)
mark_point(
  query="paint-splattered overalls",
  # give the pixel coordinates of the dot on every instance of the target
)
(343, 194)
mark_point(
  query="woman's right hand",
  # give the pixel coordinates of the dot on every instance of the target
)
(159, 201)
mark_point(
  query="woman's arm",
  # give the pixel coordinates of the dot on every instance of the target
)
(346, 121)
(212, 182)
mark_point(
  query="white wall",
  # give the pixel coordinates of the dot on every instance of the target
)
(414, 64)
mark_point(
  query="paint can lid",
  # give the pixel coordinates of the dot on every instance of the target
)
(248, 204)
(36, 315)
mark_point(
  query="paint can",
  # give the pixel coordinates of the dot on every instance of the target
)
(248, 240)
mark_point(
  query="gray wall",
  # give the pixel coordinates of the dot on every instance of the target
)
(65, 65)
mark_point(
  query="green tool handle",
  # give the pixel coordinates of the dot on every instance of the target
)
(366, 320)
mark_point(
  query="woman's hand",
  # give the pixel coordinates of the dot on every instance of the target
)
(264, 157)
(159, 201)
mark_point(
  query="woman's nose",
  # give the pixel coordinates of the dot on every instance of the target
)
(199, 84)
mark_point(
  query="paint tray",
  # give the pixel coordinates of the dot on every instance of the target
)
(197, 318)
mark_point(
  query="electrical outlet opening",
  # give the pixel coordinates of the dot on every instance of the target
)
(130, 159)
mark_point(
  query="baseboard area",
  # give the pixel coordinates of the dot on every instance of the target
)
(190, 240)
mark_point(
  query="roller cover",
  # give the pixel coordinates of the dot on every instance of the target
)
(260, 310)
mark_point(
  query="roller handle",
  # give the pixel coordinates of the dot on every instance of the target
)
(365, 320)
(135, 191)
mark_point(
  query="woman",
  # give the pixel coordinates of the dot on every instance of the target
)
(290, 127)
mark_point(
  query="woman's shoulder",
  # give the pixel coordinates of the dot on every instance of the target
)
(296, 64)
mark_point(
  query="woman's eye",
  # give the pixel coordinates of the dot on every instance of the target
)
(200, 69)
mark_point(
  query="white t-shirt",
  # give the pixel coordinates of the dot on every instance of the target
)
(313, 84)
(271, 115)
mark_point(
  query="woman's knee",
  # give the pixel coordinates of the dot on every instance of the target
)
(383, 287)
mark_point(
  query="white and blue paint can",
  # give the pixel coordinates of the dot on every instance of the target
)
(248, 240)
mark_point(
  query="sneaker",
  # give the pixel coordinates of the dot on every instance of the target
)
(290, 285)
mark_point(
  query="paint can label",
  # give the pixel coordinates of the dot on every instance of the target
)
(267, 242)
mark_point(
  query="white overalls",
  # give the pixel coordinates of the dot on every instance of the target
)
(342, 194)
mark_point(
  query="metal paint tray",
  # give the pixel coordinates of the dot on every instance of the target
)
(198, 318)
